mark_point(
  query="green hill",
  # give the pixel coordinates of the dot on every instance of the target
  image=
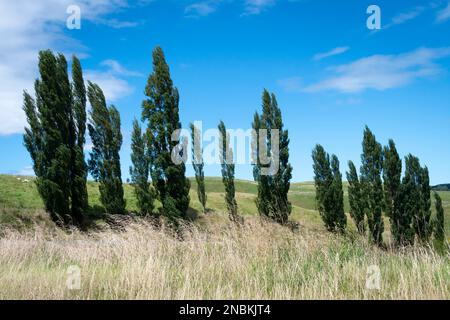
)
(217, 260)
(441, 187)
(19, 199)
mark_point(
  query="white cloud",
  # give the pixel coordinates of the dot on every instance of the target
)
(119, 24)
(333, 52)
(444, 14)
(30, 26)
(207, 7)
(109, 80)
(405, 16)
(293, 84)
(257, 6)
(348, 102)
(382, 72)
(113, 87)
(201, 9)
(27, 171)
(117, 68)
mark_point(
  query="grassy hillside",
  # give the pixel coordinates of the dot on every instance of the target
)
(217, 260)
(19, 198)
(442, 187)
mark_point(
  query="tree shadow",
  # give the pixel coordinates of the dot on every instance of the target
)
(93, 215)
(192, 214)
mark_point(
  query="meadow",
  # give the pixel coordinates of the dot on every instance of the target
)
(214, 260)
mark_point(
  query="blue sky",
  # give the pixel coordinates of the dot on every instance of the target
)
(331, 74)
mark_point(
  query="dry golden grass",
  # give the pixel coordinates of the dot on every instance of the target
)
(214, 261)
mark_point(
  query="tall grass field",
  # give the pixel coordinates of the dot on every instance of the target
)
(211, 258)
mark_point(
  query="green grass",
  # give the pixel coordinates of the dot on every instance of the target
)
(257, 260)
(21, 199)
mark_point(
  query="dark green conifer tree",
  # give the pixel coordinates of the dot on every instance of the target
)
(78, 140)
(409, 201)
(372, 186)
(392, 172)
(139, 171)
(340, 219)
(323, 180)
(197, 163)
(422, 222)
(355, 198)
(282, 178)
(439, 229)
(104, 163)
(161, 110)
(227, 163)
(274, 175)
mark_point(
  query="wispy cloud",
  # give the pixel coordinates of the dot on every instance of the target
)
(444, 14)
(31, 26)
(405, 16)
(333, 52)
(253, 7)
(26, 171)
(379, 72)
(292, 84)
(117, 68)
(113, 87)
(201, 9)
(120, 24)
(206, 7)
(110, 80)
(348, 101)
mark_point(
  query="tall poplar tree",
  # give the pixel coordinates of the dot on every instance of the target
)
(273, 178)
(340, 219)
(410, 200)
(422, 222)
(139, 171)
(355, 198)
(161, 110)
(78, 140)
(197, 163)
(104, 163)
(323, 180)
(372, 186)
(439, 229)
(392, 172)
(227, 163)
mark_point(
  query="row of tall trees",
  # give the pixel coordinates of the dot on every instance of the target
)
(155, 151)
(379, 187)
(55, 139)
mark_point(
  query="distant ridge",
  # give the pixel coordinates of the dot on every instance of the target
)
(441, 187)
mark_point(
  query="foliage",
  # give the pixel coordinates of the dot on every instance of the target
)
(104, 162)
(197, 163)
(274, 172)
(161, 111)
(139, 171)
(227, 163)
